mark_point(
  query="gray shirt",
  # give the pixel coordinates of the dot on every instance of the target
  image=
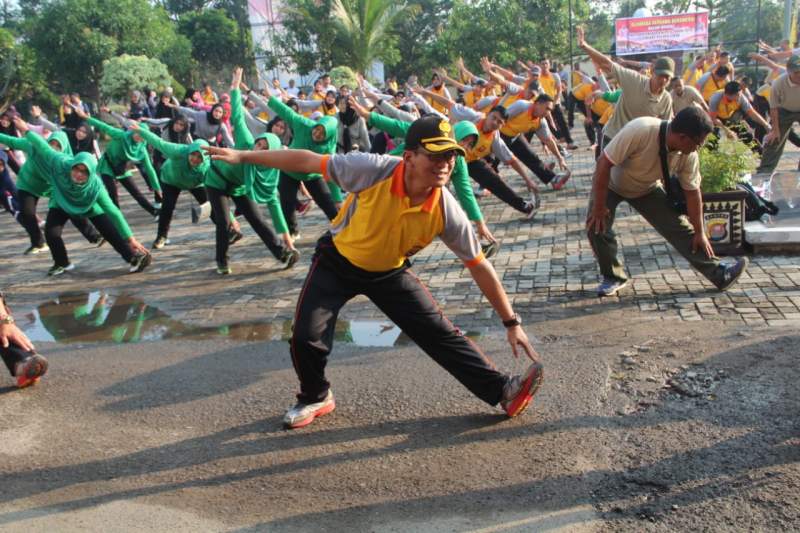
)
(636, 100)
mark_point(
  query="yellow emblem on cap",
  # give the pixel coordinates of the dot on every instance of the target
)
(444, 126)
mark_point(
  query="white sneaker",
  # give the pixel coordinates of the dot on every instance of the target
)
(303, 414)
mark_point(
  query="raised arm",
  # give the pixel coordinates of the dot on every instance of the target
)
(599, 58)
(170, 150)
(435, 97)
(443, 74)
(244, 139)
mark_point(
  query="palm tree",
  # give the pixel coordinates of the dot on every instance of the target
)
(364, 27)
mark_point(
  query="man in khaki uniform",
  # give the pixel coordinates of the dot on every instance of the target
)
(784, 110)
(630, 170)
(685, 95)
(642, 96)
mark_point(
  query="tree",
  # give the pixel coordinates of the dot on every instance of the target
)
(125, 73)
(19, 76)
(417, 35)
(214, 38)
(365, 28)
(72, 38)
(309, 40)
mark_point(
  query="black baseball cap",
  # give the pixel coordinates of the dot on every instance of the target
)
(433, 134)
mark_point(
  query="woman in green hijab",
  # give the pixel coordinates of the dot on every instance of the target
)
(32, 184)
(248, 185)
(185, 169)
(127, 148)
(76, 191)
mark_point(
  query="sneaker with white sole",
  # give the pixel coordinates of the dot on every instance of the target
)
(610, 286)
(160, 243)
(57, 270)
(519, 390)
(490, 250)
(140, 261)
(536, 199)
(302, 414)
(289, 258)
(200, 211)
(530, 210)
(224, 269)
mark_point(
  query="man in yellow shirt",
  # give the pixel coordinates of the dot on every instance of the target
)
(396, 208)
(550, 82)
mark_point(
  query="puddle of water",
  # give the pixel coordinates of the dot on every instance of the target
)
(97, 316)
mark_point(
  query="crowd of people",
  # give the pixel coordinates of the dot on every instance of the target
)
(377, 161)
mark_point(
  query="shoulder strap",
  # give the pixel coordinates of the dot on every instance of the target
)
(662, 154)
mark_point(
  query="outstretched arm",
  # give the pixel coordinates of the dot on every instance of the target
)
(296, 161)
(599, 58)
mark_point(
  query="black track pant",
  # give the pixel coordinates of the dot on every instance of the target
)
(333, 280)
(54, 226)
(248, 208)
(170, 194)
(288, 186)
(13, 355)
(29, 221)
(561, 124)
(521, 148)
(111, 185)
(488, 178)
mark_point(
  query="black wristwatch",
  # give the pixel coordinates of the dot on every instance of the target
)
(513, 321)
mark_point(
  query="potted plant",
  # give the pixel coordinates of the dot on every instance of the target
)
(725, 162)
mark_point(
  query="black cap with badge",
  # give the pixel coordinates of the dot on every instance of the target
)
(433, 134)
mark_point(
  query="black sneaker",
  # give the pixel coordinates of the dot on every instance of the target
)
(224, 269)
(289, 258)
(140, 261)
(490, 250)
(530, 210)
(234, 236)
(160, 242)
(732, 272)
(156, 214)
(57, 270)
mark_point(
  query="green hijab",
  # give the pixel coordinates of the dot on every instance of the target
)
(76, 199)
(257, 178)
(62, 140)
(134, 151)
(199, 172)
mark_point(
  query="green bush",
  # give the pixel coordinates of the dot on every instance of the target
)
(724, 162)
(125, 73)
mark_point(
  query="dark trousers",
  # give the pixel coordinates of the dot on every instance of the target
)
(248, 208)
(13, 355)
(761, 105)
(572, 103)
(111, 185)
(561, 124)
(488, 178)
(54, 226)
(333, 280)
(288, 187)
(29, 221)
(170, 194)
(521, 148)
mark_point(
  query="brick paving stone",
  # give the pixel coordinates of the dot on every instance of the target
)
(546, 264)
